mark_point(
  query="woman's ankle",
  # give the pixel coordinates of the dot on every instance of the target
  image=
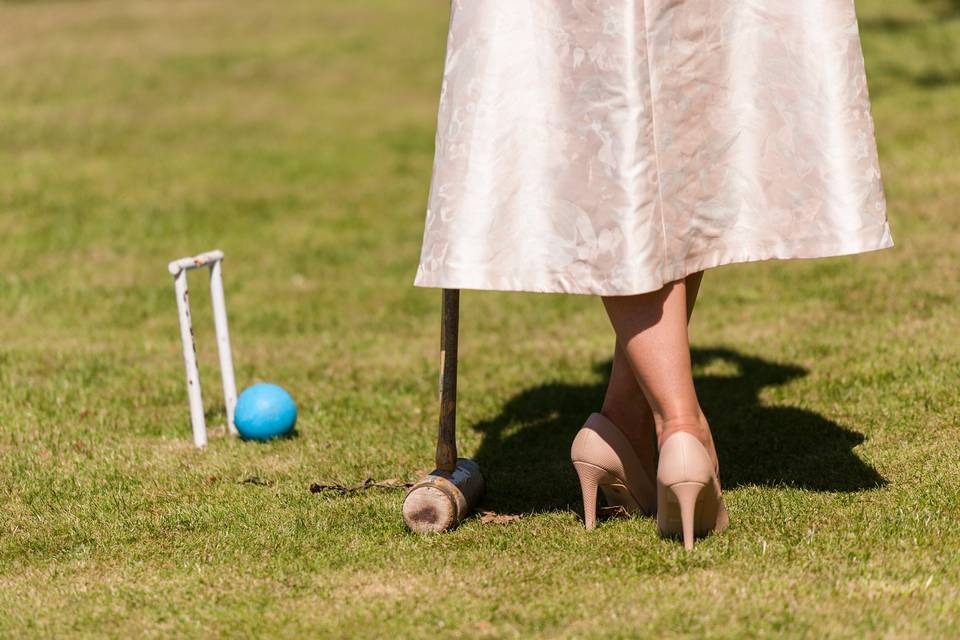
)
(631, 418)
(692, 423)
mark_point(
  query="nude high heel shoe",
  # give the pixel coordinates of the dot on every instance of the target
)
(689, 502)
(605, 459)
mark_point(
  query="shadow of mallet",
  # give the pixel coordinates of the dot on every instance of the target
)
(442, 499)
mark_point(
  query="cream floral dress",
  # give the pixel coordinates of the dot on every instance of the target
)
(608, 147)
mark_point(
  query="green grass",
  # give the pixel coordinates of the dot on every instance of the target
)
(297, 137)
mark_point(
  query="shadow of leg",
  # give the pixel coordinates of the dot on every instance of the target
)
(762, 445)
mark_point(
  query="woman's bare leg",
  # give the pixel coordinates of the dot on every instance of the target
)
(651, 331)
(624, 403)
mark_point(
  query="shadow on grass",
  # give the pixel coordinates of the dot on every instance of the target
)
(524, 453)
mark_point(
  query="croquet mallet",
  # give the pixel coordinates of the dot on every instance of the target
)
(446, 496)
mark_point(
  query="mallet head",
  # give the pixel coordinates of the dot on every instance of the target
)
(442, 499)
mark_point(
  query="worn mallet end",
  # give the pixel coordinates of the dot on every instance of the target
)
(442, 499)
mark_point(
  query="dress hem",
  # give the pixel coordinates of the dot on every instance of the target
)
(863, 240)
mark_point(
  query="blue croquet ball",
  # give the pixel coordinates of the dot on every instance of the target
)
(265, 411)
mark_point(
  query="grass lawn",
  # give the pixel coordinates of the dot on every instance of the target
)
(298, 138)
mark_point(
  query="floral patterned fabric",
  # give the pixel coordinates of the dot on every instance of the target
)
(609, 147)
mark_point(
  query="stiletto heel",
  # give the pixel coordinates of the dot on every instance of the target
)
(604, 459)
(688, 491)
(589, 480)
(686, 494)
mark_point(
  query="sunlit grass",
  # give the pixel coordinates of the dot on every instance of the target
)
(297, 137)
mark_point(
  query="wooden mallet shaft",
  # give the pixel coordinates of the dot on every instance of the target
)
(445, 497)
(446, 458)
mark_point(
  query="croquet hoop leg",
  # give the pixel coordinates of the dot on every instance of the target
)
(223, 343)
(190, 361)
